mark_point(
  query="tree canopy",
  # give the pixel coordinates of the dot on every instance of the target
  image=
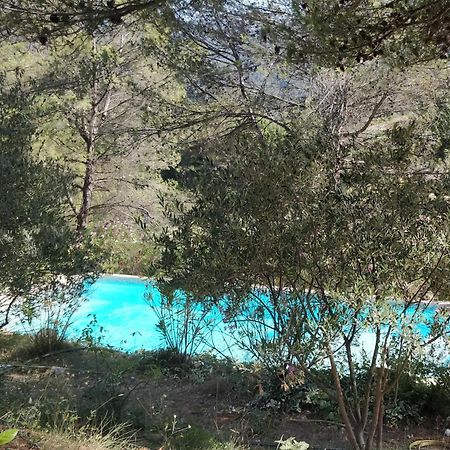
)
(342, 33)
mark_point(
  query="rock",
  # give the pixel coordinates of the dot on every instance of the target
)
(58, 370)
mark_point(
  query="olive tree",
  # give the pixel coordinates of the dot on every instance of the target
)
(325, 252)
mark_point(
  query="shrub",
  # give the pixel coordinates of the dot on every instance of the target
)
(184, 324)
(167, 361)
(193, 438)
(418, 398)
(48, 320)
(46, 340)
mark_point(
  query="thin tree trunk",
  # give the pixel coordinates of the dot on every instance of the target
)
(380, 427)
(379, 394)
(86, 197)
(371, 374)
(89, 134)
(359, 425)
(341, 401)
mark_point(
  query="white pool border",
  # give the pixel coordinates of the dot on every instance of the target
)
(119, 275)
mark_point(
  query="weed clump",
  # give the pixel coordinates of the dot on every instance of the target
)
(166, 361)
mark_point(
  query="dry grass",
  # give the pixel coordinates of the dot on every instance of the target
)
(115, 438)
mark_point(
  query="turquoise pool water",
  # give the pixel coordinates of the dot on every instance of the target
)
(124, 319)
(116, 313)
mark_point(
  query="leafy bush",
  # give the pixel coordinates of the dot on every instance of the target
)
(424, 395)
(48, 320)
(417, 398)
(183, 323)
(46, 340)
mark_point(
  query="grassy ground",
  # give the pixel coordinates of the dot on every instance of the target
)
(95, 399)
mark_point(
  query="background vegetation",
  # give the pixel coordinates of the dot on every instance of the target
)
(284, 165)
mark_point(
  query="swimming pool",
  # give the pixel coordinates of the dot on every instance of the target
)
(124, 319)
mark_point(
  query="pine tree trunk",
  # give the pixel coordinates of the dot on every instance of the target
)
(86, 197)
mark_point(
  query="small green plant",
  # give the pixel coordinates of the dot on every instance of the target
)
(259, 421)
(155, 364)
(184, 324)
(145, 363)
(179, 437)
(8, 436)
(194, 438)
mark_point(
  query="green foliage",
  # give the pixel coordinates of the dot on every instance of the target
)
(193, 438)
(35, 239)
(184, 325)
(419, 398)
(46, 21)
(167, 361)
(47, 317)
(43, 341)
(38, 248)
(281, 213)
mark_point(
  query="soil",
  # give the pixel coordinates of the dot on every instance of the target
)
(158, 404)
